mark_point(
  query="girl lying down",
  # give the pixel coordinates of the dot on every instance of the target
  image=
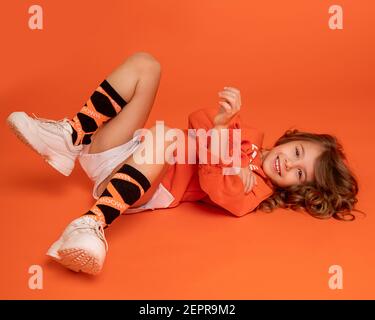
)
(302, 170)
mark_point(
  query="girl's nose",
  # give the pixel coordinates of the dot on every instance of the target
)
(288, 164)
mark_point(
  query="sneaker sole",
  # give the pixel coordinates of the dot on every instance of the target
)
(53, 250)
(77, 259)
(63, 170)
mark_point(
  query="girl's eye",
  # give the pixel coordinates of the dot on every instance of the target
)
(300, 173)
(299, 170)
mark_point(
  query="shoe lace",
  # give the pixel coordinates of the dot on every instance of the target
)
(56, 123)
(98, 228)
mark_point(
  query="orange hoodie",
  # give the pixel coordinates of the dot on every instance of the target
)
(206, 182)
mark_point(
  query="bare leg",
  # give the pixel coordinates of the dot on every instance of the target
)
(137, 81)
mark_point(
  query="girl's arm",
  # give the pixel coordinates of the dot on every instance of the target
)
(228, 191)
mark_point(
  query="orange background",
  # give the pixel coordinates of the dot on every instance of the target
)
(292, 70)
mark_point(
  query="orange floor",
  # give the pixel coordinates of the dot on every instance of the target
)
(292, 70)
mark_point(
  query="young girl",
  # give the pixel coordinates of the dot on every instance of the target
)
(302, 170)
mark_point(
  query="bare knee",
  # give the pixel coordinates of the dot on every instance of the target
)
(146, 62)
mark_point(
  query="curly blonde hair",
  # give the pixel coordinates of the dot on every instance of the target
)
(334, 189)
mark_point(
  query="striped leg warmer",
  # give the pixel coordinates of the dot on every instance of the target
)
(104, 104)
(123, 190)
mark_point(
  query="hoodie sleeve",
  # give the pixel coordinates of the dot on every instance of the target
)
(227, 191)
(203, 119)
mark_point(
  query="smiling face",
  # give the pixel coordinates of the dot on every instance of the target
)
(291, 163)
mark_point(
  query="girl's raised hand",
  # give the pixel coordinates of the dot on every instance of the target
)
(230, 105)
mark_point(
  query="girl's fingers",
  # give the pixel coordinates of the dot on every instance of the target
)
(233, 89)
(249, 180)
(228, 98)
(248, 183)
(231, 93)
(253, 181)
(228, 94)
(243, 177)
(228, 102)
(231, 97)
(244, 181)
(227, 107)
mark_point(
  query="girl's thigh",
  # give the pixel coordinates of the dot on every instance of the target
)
(134, 115)
(154, 172)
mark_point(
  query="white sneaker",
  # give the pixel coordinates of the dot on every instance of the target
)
(51, 139)
(82, 246)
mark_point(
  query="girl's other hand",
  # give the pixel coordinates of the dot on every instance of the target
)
(248, 179)
(230, 105)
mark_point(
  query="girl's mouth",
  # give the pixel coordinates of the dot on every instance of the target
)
(276, 166)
